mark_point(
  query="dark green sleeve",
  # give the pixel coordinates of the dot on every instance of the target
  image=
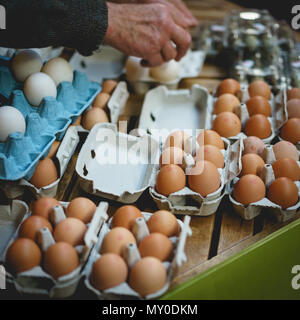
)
(78, 24)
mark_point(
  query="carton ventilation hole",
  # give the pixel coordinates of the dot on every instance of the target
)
(152, 117)
(83, 64)
(85, 171)
(148, 131)
(93, 154)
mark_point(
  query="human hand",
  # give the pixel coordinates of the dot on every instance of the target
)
(147, 31)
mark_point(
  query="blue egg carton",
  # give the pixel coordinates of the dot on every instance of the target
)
(20, 154)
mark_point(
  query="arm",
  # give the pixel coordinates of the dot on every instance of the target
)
(79, 24)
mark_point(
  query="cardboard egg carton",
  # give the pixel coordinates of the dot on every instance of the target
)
(190, 66)
(36, 280)
(131, 255)
(254, 209)
(20, 154)
(14, 189)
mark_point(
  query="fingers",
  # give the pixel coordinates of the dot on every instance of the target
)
(181, 6)
(154, 61)
(182, 39)
(169, 52)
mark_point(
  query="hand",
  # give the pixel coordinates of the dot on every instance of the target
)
(147, 31)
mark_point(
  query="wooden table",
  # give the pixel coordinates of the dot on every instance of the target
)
(214, 238)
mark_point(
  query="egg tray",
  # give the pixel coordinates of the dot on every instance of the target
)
(254, 209)
(20, 154)
(190, 66)
(36, 280)
(131, 256)
(14, 189)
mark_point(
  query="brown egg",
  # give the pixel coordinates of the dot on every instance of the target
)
(82, 209)
(211, 153)
(53, 149)
(210, 137)
(165, 222)
(228, 86)
(227, 124)
(22, 255)
(286, 167)
(258, 105)
(172, 155)
(226, 102)
(109, 271)
(259, 126)
(156, 245)
(116, 240)
(101, 100)
(30, 227)
(291, 130)
(70, 230)
(171, 178)
(147, 276)
(253, 144)
(293, 93)
(125, 217)
(293, 108)
(92, 117)
(252, 164)
(60, 259)
(249, 188)
(283, 192)
(45, 174)
(108, 86)
(259, 88)
(176, 139)
(77, 122)
(285, 149)
(204, 178)
(44, 206)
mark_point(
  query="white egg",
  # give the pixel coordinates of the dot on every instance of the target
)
(59, 70)
(134, 70)
(166, 72)
(37, 87)
(25, 63)
(11, 120)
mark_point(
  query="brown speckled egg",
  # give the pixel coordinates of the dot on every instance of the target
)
(227, 124)
(22, 255)
(125, 217)
(285, 149)
(176, 139)
(45, 174)
(293, 108)
(226, 102)
(92, 117)
(171, 178)
(82, 209)
(172, 155)
(30, 227)
(210, 137)
(253, 144)
(228, 86)
(249, 188)
(252, 164)
(259, 126)
(44, 206)
(286, 167)
(259, 88)
(164, 222)
(293, 93)
(108, 86)
(283, 192)
(291, 130)
(258, 105)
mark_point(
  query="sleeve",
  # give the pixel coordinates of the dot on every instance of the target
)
(78, 24)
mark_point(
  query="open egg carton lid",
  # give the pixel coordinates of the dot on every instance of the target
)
(14, 189)
(131, 256)
(36, 280)
(20, 154)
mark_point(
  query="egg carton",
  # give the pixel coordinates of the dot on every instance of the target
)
(14, 189)
(20, 154)
(254, 209)
(37, 281)
(190, 66)
(131, 255)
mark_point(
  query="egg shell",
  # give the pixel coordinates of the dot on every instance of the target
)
(134, 70)
(147, 276)
(32, 225)
(284, 192)
(248, 189)
(286, 167)
(164, 222)
(166, 72)
(125, 216)
(22, 255)
(60, 259)
(253, 144)
(285, 149)
(176, 139)
(228, 86)
(210, 137)
(258, 105)
(252, 164)
(11, 120)
(70, 230)
(44, 206)
(259, 126)
(45, 174)
(204, 178)
(108, 86)
(226, 102)
(227, 124)
(116, 240)
(92, 117)
(259, 88)
(109, 271)
(101, 100)
(170, 178)
(78, 121)
(291, 130)
(171, 155)
(293, 108)
(293, 93)
(211, 153)
(82, 209)
(53, 149)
